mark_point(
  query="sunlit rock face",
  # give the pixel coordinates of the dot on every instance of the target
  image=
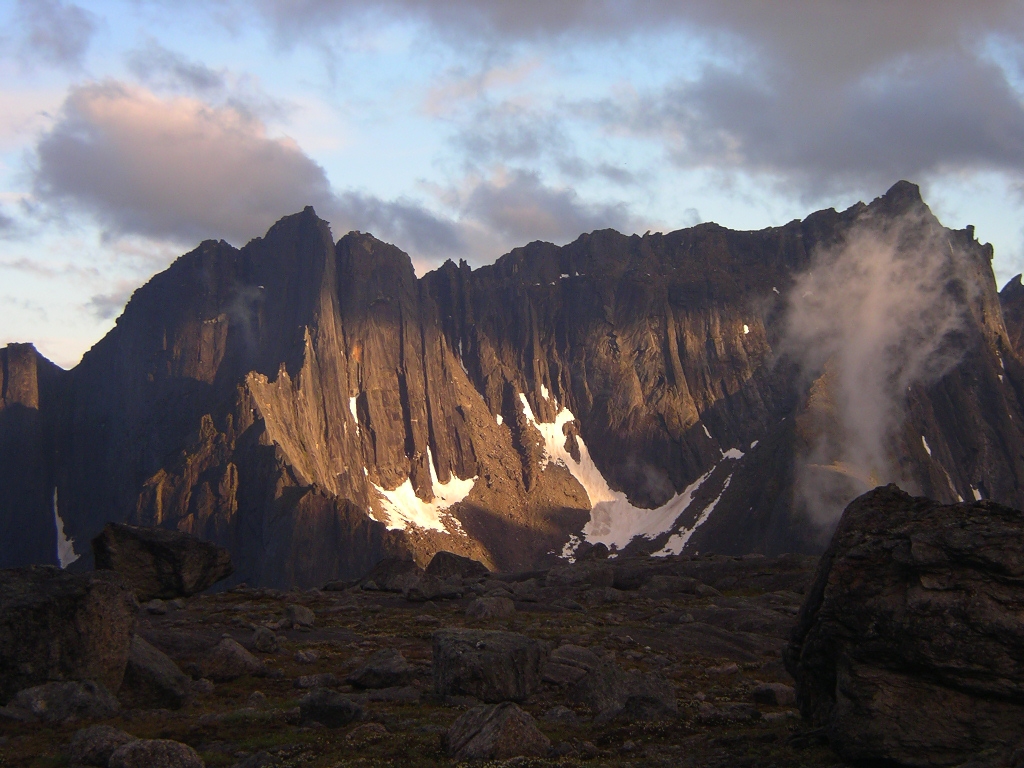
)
(314, 407)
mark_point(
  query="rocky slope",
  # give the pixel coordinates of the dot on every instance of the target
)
(315, 407)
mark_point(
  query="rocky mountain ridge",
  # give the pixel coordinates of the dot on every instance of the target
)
(314, 407)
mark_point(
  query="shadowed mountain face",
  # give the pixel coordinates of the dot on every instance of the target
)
(315, 407)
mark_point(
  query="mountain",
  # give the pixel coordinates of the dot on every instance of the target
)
(315, 407)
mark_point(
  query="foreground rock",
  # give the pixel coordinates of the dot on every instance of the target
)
(57, 702)
(386, 668)
(492, 666)
(444, 565)
(611, 693)
(155, 753)
(152, 680)
(59, 626)
(95, 745)
(160, 563)
(499, 732)
(908, 648)
(328, 708)
(229, 661)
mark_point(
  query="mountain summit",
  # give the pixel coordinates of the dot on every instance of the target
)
(314, 407)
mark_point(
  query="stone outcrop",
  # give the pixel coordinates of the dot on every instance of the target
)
(159, 563)
(908, 647)
(58, 626)
(313, 407)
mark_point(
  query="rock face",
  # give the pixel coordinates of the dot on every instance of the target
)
(159, 563)
(908, 647)
(313, 407)
(58, 626)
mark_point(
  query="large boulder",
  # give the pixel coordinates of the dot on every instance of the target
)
(444, 565)
(152, 680)
(393, 574)
(384, 669)
(57, 702)
(229, 661)
(94, 745)
(909, 647)
(60, 626)
(493, 666)
(155, 753)
(607, 690)
(158, 562)
(496, 732)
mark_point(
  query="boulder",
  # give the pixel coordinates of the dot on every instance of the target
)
(152, 680)
(774, 695)
(94, 745)
(492, 666)
(60, 626)
(264, 640)
(422, 587)
(498, 732)
(386, 668)
(328, 708)
(444, 565)
(484, 608)
(568, 664)
(155, 753)
(608, 688)
(392, 575)
(56, 702)
(296, 616)
(908, 647)
(229, 661)
(160, 563)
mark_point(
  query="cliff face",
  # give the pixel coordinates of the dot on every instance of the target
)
(315, 407)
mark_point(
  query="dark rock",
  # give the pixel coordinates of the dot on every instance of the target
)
(609, 688)
(155, 753)
(160, 563)
(421, 588)
(308, 656)
(568, 664)
(56, 702)
(264, 640)
(328, 708)
(229, 661)
(484, 608)
(94, 745)
(496, 732)
(492, 666)
(402, 694)
(444, 565)
(296, 616)
(152, 680)
(908, 646)
(774, 695)
(156, 607)
(638, 709)
(384, 669)
(55, 625)
(367, 733)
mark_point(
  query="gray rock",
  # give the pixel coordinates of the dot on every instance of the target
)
(422, 588)
(492, 666)
(497, 732)
(446, 564)
(307, 656)
(328, 708)
(155, 753)
(55, 702)
(644, 708)
(152, 680)
(490, 608)
(55, 625)
(299, 616)
(229, 661)
(156, 607)
(392, 575)
(94, 745)
(264, 640)
(384, 669)
(908, 646)
(158, 562)
(323, 680)
(569, 663)
(608, 687)
(562, 715)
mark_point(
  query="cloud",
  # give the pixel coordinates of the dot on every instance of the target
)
(107, 305)
(6, 224)
(518, 206)
(885, 309)
(54, 32)
(157, 66)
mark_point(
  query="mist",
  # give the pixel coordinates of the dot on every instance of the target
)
(875, 314)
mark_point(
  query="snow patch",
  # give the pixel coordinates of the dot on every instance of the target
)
(677, 541)
(499, 419)
(753, 445)
(66, 554)
(706, 432)
(925, 444)
(746, 329)
(404, 508)
(976, 492)
(775, 289)
(355, 412)
(544, 392)
(613, 522)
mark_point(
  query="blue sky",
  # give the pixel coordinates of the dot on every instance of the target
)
(130, 131)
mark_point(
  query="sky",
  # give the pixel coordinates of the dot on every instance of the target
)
(132, 130)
